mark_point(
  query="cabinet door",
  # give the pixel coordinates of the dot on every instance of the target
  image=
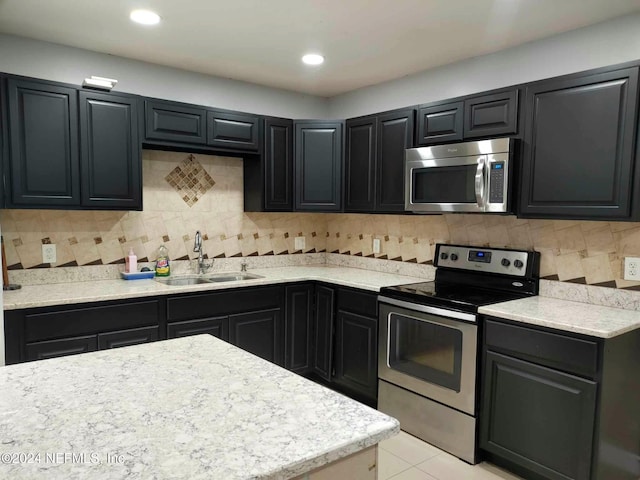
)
(360, 165)
(43, 160)
(124, 338)
(491, 115)
(578, 153)
(395, 134)
(111, 155)
(537, 418)
(237, 131)
(357, 353)
(259, 333)
(440, 124)
(278, 164)
(298, 328)
(323, 332)
(61, 348)
(318, 149)
(173, 122)
(216, 326)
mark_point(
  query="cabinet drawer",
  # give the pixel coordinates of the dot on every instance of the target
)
(359, 302)
(573, 355)
(90, 320)
(173, 122)
(216, 326)
(62, 347)
(124, 338)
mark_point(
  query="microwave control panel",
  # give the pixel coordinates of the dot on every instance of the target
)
(496, 182)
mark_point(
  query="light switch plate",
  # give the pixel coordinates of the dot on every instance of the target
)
(49, 253)
(298, 243)
(632, 268)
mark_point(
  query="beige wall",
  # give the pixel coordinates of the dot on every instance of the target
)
(211, 201)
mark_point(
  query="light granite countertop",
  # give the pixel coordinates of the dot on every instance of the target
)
(31, 296)
(576, 317)
(187, 408)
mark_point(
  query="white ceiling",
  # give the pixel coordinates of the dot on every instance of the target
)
(365, 42)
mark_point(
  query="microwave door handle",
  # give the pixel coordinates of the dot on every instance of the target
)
(480, 183)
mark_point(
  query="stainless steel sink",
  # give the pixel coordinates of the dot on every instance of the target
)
(232, 277)
(181, 281)
(215, 278)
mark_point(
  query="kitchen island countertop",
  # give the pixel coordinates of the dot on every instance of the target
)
(191, 408)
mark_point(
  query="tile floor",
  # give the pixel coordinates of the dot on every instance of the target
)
(405, 457)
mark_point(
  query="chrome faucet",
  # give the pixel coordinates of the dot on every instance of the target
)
(197, 247)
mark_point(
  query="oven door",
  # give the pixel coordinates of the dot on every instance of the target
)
(445, 185)
(429, 351)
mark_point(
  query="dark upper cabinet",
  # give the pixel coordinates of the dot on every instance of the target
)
(360, 164)
(258, 332)
(323, 332)
(440, 123)
(318, 166)
(298, 327)
(233, 130)
(110, 151)
(43, 166)
(395, 135)
(491, 115)
(578, 153)
(173, 122)
(278, 164)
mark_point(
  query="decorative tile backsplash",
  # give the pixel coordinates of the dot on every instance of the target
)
(183, 193)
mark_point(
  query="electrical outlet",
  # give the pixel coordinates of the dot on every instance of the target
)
(49, 253)
(376, 245)
(298, 243)
(632, 268)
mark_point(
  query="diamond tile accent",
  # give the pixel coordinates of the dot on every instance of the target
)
(190, 180)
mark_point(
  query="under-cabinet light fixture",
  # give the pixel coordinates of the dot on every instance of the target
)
(100, 83)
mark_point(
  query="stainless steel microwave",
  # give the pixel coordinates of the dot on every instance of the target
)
(461, 177)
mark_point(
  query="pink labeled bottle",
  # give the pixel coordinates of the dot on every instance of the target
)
(131, 262)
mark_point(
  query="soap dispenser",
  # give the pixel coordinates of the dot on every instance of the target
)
(131, 262)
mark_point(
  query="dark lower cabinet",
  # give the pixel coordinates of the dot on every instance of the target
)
(318, 166)
(60, 348)
(539, 418)
(560, 406)
(579, 154)
(323, 328)
(111, 156)
(357, 353)
(43, 166)
(298, 328)
(259, 333)
(216, 326)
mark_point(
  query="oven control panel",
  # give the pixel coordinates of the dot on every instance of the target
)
(489, 260)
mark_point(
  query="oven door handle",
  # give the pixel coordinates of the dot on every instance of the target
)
(469, 317)
(480, 181)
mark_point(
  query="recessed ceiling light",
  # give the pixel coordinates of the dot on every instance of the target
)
(313, 59)
(145, 17)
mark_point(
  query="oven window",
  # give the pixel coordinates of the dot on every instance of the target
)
(454, 184)
(425, 350)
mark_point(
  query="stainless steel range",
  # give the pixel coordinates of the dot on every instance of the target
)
(429, 341)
